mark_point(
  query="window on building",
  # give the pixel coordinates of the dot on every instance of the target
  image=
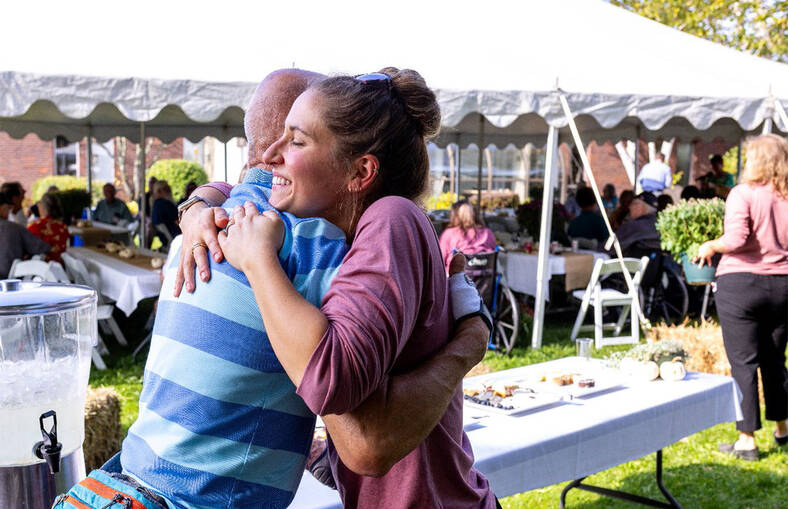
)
(66, 157)
(684, 161)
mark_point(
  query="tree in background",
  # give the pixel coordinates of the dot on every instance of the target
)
(758, 27)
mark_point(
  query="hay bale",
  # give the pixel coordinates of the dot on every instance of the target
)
(102, 426)
(702, 342)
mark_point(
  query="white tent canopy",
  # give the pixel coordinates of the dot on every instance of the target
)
(495, 66)
(625, 76)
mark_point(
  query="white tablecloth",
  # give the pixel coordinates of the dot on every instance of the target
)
(581, 437)
(124, 283)
(519, 269)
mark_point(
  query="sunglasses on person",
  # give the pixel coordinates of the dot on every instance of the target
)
(375, 77)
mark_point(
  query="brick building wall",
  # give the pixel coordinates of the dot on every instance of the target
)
(26, 159)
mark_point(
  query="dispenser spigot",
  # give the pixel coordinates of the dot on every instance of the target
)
(49, 449)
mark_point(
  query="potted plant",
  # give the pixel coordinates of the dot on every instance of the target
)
(529, 215)
(683, 227)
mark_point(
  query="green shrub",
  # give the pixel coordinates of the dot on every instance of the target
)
(65, 183)
(73, 201)
(683, 227)
(442, 201)
(178, 173)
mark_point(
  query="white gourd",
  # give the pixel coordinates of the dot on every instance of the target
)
(672, 371)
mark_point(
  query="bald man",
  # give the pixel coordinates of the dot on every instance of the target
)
(220, 423)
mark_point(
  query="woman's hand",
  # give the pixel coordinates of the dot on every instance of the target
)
(199, 225)
(250, 235)
(705, 253)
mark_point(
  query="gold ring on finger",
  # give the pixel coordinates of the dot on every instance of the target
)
(199, 243)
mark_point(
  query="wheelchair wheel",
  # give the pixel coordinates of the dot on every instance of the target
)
(507, 320)
(667, 300)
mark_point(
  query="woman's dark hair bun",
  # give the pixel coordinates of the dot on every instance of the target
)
(420, 102)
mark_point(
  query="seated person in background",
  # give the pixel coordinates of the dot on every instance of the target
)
(663, 202)
(464, 233)
(50, 227)
(16, 193)
(609, 198)
(188, 190)
(34, 212)
(639, 237)
(164, 212)
(690, 192)
(720, 180)
(15, 241)
(110, 209)
(655, 176)
(589, 224)
(571, 206)
(621, 214)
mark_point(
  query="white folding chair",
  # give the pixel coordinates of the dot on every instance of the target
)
(38, 270)
(598, 297)
(162, 228)
(79, 272)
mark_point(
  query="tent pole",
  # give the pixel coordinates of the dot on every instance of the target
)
(459, 167)
(225, 161)
(767, 124)
(637, 157)
(738, 160)
(479, 168)
(141, 187)
(778, 106)
(544, 237)
(612, 241)
(89, 152)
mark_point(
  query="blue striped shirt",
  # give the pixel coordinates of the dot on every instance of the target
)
(220, 424)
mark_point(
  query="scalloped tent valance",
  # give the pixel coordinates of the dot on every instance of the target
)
(626, 76)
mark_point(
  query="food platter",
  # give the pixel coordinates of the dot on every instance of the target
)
(514, 401)
(534, 389)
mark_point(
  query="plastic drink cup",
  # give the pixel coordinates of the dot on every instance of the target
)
(584, 346)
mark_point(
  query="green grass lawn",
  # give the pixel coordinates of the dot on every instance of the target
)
(696, 474)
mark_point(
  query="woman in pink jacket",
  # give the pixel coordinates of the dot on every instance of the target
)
(464, 233)
(752, 289)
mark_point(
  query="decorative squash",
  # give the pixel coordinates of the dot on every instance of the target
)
(645, 371)
(156, 262)
(112, 247)
(673, 371)
(126, 253)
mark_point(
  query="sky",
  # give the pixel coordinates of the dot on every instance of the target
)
(459, 44)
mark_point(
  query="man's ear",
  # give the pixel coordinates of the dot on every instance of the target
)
(365, 173)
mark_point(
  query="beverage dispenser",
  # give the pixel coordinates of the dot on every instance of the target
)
(47, 333)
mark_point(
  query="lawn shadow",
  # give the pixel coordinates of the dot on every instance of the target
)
(705, 485)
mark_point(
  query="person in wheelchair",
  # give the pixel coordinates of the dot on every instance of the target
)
(639, 237)
(465, 233)
(664, 296)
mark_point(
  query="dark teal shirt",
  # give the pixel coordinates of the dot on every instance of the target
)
(588, 225)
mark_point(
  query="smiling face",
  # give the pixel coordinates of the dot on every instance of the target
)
(308, 179)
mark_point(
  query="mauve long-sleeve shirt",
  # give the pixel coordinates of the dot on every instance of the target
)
(388, 311)
(477, 240)
(756, 231)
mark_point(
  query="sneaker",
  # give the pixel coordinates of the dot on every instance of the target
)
(780, 440)
(747, 455)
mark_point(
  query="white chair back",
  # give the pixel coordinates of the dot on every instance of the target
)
(59, 273)
(78, 271)
(35, 270)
